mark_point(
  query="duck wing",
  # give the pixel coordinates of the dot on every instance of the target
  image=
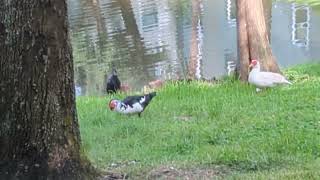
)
(272, 77)
(143, 100)
(130, 100)
(147, 98)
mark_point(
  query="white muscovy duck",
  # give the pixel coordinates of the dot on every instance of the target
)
(264, 79)
(131, 104)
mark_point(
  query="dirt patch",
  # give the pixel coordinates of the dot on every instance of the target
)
(172, 173)
(113, 176)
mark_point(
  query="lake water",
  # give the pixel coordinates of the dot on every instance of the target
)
(148, 40)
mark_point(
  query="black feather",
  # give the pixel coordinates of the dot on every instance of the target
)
(148, 99)
(113, 82)
(130, 100)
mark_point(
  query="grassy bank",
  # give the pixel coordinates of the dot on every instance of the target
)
(226, 128)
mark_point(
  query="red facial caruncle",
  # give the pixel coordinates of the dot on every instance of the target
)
(112, 104)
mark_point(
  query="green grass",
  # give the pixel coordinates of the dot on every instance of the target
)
(275, 133)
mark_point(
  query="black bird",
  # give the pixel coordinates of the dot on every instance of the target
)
(113, 82)
(131, 104)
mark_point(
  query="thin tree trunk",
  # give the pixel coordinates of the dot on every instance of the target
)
(257, 36)
(39, 132)
(194, 50)
(243, 43)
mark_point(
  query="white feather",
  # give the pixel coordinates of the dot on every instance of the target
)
(142, 99)
(265, 79)
(126, 109)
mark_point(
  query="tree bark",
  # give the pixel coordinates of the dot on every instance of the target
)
(39, 131)
(243, 43)
(194, 44)
(253, 40)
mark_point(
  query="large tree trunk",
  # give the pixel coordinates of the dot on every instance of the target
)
(39, 133)
(253, 40)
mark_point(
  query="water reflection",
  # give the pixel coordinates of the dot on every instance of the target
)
(148, 40)
(300, 25)
(194, 70)
(231, 12)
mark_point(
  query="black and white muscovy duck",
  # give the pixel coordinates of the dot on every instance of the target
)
(131, 104)
(113, 82)
(262, 79)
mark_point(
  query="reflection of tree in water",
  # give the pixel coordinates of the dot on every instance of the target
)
(147, 45)
(300, 25)
(134, 46)
(130, 23)
(231, 12)
(110, 33)
(95, 38)
(181, 14)
(267, 7)
(81, 79)
(97, 47)
(91, 50)
(101, 27)
(184, 31)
